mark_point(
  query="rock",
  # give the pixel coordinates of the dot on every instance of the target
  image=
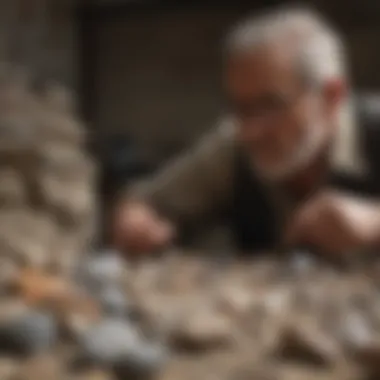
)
(26, 236)
(107, 340)
(145, 362)
(203, 332)
(303, 342)
(302, 263)
(115, 344)
(354, 330)
(27, 334)
(100, 270)
(113, 301)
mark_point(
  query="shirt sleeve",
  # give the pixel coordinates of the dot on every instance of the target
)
(197, 182)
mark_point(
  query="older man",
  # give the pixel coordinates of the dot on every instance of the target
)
(294, 162)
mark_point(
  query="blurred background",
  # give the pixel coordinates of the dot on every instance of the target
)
(151, 69)
(147, 73)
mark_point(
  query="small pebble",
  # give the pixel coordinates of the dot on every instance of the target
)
(114, 302)
(28, 334)
(108, 340)
(355, 330)
(302, 262)
(143, 363)
(100, 270)
(115, 344)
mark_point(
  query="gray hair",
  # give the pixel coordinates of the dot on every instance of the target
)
(317, 46)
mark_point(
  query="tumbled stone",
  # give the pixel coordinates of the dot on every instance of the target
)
(202, 332)
(107, 340)
(101, 270)
(29, 333)
(304, 342)
(145, 362)
(113, 301)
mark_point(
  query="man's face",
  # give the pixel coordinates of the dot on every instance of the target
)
(282, 122)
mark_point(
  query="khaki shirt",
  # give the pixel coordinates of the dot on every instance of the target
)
(201, 180)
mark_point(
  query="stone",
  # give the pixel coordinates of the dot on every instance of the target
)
(117, 345)
(145, 362)
(43, 366)
(203, 331)
(100, 270)
(26, 236)
(29, 333)
(302, 341)
(113, 302)
(8, 368)
(302, 263)
(107, 340)
(355, 330)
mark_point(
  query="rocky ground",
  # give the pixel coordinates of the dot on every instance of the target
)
(184, 316)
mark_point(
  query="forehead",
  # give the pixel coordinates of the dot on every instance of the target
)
(267, 68)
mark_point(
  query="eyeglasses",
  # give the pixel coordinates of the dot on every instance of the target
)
(267, 107)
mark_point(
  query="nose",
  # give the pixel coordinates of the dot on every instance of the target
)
(252, 130)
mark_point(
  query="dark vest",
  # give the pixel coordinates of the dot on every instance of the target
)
(253, 217)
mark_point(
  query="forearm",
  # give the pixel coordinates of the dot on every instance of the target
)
(193, 185)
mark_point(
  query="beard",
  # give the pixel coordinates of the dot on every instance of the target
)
(302, 155)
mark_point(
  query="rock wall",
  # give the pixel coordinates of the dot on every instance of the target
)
(47, 201)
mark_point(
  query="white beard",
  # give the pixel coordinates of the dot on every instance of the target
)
(303, 155)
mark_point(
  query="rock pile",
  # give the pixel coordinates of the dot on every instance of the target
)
(265, 319)
(47, 199)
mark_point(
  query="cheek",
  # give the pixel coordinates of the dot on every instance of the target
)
(288, 135)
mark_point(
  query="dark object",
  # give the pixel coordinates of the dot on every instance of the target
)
(121, 161)
(253, 217)
(29, 334)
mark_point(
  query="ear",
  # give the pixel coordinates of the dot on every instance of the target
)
(335, 91)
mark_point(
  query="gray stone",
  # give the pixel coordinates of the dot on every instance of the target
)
(109, 339)
(113, 301)
(30, 333)
(116, 344)
(100, 270)
(143, 363)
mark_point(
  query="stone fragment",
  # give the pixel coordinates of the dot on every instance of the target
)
(301, 341)
(203, 331)
(29, 333)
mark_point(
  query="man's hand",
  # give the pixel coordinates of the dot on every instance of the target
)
(336, 223)
(138, 228)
